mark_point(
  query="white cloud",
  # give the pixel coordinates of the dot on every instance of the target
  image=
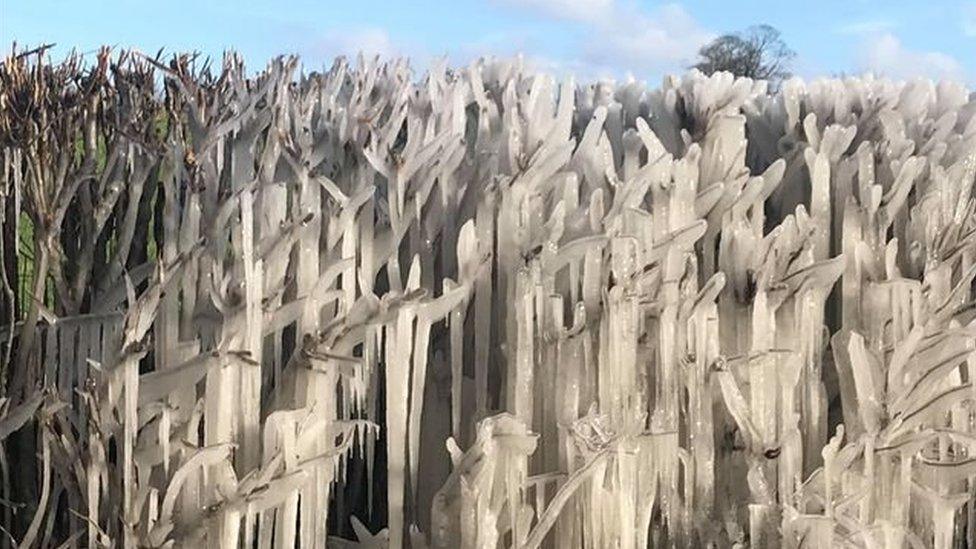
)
(667, 38)
(370, 41)
(869, 26)
(968, 20)
(620, 35)
(579, 10)
(318, 48)
(612, 38)
(887, 56)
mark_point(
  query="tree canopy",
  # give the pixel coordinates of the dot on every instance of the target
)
(759, 53)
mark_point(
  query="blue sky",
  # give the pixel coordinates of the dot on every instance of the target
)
(591, 38)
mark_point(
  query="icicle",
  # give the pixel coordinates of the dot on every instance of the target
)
(130, 371)
(483, 304)
(250, 376)
(456, 325)
(163, 434)
(521, 381)
(399, 349)
(421, 340)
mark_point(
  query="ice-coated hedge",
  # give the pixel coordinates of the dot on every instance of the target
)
(481, 308)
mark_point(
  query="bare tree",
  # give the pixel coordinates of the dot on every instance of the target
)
(757, 53)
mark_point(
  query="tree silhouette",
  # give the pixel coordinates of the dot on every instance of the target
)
(759, 52)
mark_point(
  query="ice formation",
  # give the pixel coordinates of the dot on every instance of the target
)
(485, 309)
